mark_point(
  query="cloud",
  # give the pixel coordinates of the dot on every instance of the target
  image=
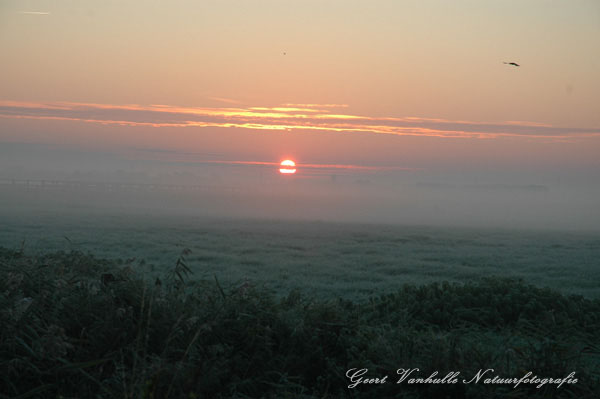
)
(225, 100)
(317, 105)
(289, 117)
(34, 12)
(309, 165)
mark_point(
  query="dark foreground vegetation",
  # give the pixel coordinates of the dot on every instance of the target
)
(73, 326)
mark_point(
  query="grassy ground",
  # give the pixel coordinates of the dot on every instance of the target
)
(324, 260)
(74, 326)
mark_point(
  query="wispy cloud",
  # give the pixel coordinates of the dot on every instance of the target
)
(310, 165)
(225, 100)
(317, 105)
(288, 117)
(34, 12)
(306, 168)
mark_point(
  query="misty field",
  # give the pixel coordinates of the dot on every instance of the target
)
(139, 306)
(324, 260)
(75, 326)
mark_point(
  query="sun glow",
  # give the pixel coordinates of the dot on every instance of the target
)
(287, 167)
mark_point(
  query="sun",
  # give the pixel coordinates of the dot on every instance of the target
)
(287, 167)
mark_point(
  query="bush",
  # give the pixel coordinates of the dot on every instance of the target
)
(73, 325)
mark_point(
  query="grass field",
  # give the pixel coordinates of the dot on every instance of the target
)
(76, 326)
(154, 307)
(325, 260)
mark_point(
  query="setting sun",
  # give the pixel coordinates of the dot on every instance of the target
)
(288, 167)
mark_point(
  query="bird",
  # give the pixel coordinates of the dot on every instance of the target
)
(513, 64)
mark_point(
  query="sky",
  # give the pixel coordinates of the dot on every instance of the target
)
(396, 93)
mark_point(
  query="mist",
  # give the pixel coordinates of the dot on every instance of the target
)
(42, 179)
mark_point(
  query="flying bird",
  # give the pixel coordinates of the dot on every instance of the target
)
(513, 64)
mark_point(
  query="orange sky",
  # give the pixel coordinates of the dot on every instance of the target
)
(407, 84)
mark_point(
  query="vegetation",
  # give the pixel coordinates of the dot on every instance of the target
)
(74, 326)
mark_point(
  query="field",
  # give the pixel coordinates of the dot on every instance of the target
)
(137, 306)
(324, 260)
